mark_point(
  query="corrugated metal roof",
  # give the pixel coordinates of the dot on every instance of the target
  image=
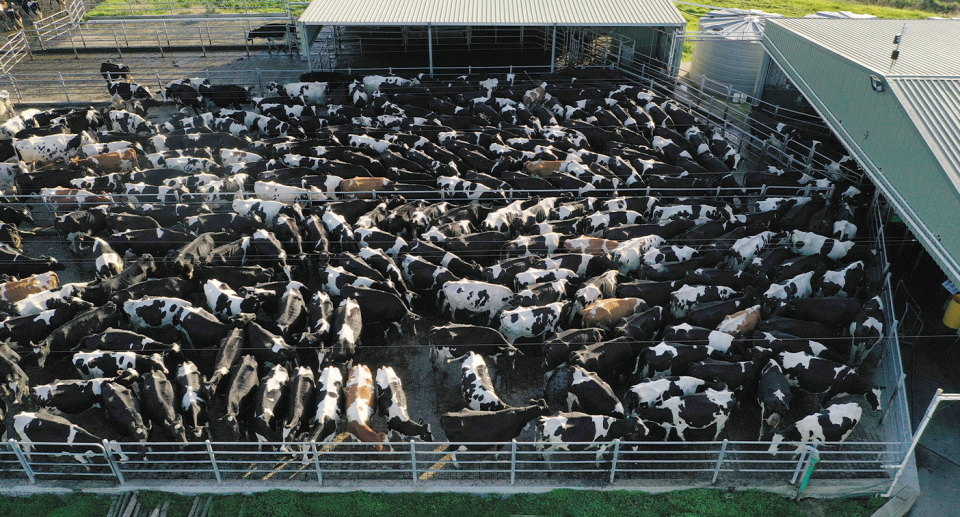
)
(635, 13)
(934, 106)
(929, 48)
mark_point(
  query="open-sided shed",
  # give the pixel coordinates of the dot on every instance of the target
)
(656, 25)
(894, 105)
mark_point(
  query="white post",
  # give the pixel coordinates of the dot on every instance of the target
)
(430, 46)
(553, 50)
(937, 398)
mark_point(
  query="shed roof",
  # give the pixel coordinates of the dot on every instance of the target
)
(925, 84)
(929, 47)
(635, 13)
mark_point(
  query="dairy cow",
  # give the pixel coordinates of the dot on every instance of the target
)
(476, 387)
(361, 401)
(833, 424)
(392, 406)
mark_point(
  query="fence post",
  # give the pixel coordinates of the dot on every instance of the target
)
(213, 461)
(159, 83)
(16, 89)
(716, 469)
(62, 83)
(112, 462)
(23, 460)
(800, 462)
(616, 458)
(316, 462)
(413, 460)
(513, 461)
(123, 28)
(200, 32)
(159, 43)
(82, 39)
(260, 82)
(117, 41)
(75, 53)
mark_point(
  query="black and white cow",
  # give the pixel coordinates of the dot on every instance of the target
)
(738, 376)
(774, 395)
(454, 342)
(673, 358)
(270, 401)
(330, 402)
(267, 347)
(96, 364)
(476, 387)
(392, 406)
(424, 276)
(474, 302)
(114, 71)
(127, 92)
(77, 396)
(228, 353)
(192, 405)
(43, 427)
(844, 282)
(531, 322)
(224, 301)
(652, 392)
(826, 378)
(556, 432)
(69, 335)
(689, 297)
(696, 417)
(833, 424)
(866, 330)
(46, 149)
(346, 330)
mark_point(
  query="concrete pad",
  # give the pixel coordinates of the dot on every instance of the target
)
(899, 504)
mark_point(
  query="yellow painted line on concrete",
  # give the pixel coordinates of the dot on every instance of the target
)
(439, 465)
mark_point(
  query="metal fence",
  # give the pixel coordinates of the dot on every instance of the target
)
(867, 466)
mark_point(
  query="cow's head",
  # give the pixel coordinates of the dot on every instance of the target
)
(273, 87)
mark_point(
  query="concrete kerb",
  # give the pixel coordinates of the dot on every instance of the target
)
(900, 504)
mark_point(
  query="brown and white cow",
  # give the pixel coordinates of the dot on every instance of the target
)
(17, 290)
(117, 161)
(361, 400)
(609, 312)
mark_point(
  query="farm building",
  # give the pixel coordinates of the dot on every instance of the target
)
(430, 34)
(899, 115)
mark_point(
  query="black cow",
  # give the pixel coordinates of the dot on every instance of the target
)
(13, 380)
(267, 347)
(607, 358)
(589, 393)
(273, 32)
(158, 403)
(69, 335)
(558, 348)
(226, 95)
(866, 330)
(24, 330)
(21, 265)
(236, 401)
(468, 426)
(228, 353)
(738, 376)
(122, 407)
(379, 306)
(301, 404)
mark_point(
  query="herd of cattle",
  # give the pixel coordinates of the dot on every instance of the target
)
(246, 262)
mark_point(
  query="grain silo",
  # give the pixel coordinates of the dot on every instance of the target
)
(728, 48)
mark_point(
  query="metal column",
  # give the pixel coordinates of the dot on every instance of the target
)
(430, 46)
(939, 397)
(553, 50)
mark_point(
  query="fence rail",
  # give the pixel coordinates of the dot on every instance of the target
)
(443, 463)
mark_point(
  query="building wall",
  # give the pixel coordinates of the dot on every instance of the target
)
(880, 126)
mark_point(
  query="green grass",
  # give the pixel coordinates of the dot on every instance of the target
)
(903, 9)
(687, 503)
(156, 7)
